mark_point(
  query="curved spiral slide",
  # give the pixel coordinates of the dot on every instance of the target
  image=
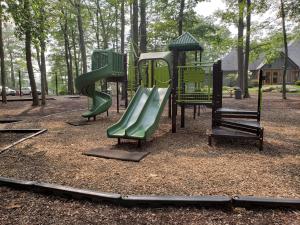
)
(105, 64)
(85, 84)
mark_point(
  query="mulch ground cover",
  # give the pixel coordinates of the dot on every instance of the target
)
(9, 138)
(179, 164)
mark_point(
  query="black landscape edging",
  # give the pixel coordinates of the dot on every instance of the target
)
(25, 99)
(151, 200)
(15, 183)
(10, 120)
(200, 201)
(265, 202)
(35, 132)
(76, 193)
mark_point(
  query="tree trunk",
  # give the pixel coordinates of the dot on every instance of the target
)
(143, 26)
(122, 26)
(286, 54)
(116, 27)
(75, 53)
(35, 97)
(81, 36)
(12, 71)
(38, 57)
(104, 30)
(70, 78)
(182, 55)
(135, 36)
(67, 57)
(247, 50)
(181, 17)
(240, 53)
(3, 75)
(123, 42)
(43, 71)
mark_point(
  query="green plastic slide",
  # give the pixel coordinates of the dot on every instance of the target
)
(105, 64)
(86, 86)
(142, 115)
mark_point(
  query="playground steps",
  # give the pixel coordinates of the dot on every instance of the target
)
(232, 133)
(243, 125)
(236, 113)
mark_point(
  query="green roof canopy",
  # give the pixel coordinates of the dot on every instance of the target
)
(185, 42)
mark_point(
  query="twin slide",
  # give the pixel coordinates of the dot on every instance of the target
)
(142, 115)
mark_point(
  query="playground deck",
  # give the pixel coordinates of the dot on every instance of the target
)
(180, 163)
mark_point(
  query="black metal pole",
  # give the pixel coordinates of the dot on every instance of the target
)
(56, 84)
(217, 91)
(174, 90)
(170, 106)
(182, 115)
(126, 80)
(152, 73)
(20, 83)
(117, 97)
(260, 83)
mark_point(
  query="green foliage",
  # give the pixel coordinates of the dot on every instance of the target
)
(297, 82)
(231, 79)
(254, 83)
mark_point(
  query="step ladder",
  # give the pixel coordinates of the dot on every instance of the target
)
(235, 123)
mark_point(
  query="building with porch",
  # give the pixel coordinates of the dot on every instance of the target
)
(273, 71)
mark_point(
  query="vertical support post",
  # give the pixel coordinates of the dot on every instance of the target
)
(195, 110)
(56, 84)
(182, 115)
(217, 91)
(170, 106)
(118, 97)
(20, 83)
(152, 73)
(260, 83)
(174, 90)
(125, 80)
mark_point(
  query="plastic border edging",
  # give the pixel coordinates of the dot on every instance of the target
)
(152, 200)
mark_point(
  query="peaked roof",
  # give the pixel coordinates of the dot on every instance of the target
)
(229, 61)
(185, 42)
(294, 52)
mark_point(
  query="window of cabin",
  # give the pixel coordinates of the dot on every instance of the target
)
(275, 78)
(268, 77)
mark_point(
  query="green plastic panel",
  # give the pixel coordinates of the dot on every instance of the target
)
(194, 84)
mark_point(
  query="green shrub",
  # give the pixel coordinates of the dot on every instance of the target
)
(297, 82)
(289, 89)
(231, 79)
(268, 89)
(254, 83)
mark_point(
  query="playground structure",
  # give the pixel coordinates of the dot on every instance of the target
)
(107, 65)
(175, 75)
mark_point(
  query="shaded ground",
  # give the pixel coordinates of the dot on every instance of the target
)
(25, 208)
(180, 163)
(8, 138)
